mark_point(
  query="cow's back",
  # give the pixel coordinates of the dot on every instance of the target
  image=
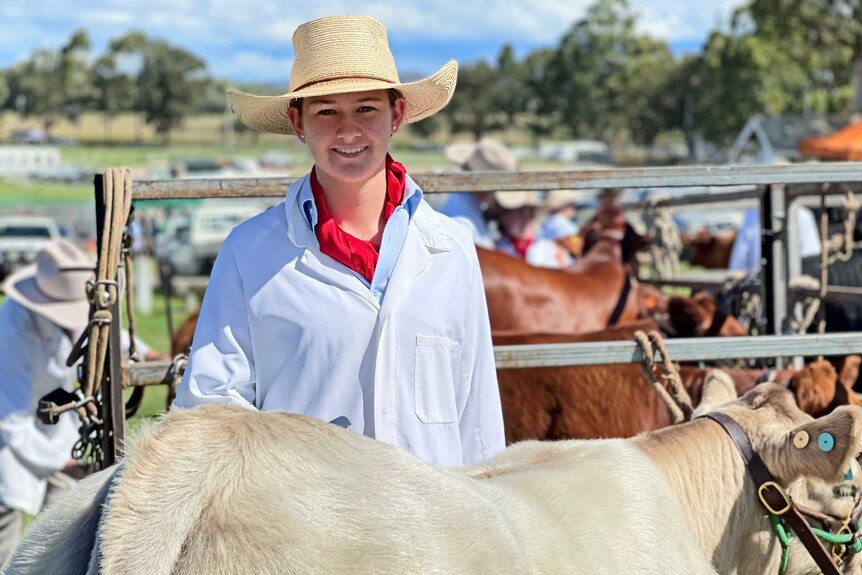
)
(277, 493)
(223, 490)
(598, 506)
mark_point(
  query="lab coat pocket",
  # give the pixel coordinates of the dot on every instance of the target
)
(434, 379)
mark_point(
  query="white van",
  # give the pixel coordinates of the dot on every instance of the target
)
(190, 241)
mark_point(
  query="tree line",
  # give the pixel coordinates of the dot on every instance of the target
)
(603, 80)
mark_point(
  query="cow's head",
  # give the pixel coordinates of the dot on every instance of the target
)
(699, 315)
(811, 458)
(819, 389)
(651, 300)
(610, 223)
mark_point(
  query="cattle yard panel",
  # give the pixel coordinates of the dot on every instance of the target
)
(773, 197)
(839, 172)
(605, 352)
(782, 269)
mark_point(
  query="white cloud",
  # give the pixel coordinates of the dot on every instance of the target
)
(244, 36)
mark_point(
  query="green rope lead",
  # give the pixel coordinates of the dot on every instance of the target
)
(832, 538)
(784, 539)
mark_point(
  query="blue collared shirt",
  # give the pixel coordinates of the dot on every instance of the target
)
(393, 235)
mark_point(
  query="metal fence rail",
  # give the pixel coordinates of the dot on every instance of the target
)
(539, 180)
(812, 178)
(602, 352)
(682, 349)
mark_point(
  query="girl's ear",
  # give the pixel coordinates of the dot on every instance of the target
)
(295, 121)
(398, 109)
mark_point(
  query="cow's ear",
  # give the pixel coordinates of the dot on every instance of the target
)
(718, 388)
(824, 447)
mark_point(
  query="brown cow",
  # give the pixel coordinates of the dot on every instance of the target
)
(709, 250)
(595, 292)
(181, 339)
(819, 388)
(597, 401)
(594, 401)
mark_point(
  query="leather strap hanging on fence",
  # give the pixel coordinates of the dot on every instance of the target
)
(846, 251)
(669, 387)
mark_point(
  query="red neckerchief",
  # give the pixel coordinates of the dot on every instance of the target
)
(520, 245)
(359, 255)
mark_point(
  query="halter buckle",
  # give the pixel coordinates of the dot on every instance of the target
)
(760, 494)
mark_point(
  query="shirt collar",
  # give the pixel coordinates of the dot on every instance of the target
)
(299, 210)
(305, 201)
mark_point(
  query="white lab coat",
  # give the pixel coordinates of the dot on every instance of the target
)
(283, 326)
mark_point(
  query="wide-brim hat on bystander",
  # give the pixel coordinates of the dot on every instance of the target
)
(518, 199)
(339, 55)
(558, 198)
(486, 155)
(55, 286)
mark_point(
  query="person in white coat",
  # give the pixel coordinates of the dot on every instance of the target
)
(46, 308)
(526, 233)
(352, 297)
(45, 312)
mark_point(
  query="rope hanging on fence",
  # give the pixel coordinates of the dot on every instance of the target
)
(103, 291)
(670, 387)
(846, 252)
(667, 243)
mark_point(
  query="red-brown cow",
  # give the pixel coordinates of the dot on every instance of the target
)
(617, 401)
(595, 292)
(709, 250)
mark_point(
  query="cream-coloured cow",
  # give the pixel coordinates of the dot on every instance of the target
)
(222, 490)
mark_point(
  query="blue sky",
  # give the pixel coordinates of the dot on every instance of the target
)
(249, 41)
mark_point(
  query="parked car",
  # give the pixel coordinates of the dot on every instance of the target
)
(190, 242)
(21, 238)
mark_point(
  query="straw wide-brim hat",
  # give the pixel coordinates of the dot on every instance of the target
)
(558, 198)
(486, 155)
(55, 286)
(518, 199)
(339, 55)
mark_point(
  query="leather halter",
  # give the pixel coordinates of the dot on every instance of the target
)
(772, 496)
(718, 319)
(621, 301)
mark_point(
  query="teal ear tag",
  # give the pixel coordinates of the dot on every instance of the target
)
(825, 441)
(849, 475)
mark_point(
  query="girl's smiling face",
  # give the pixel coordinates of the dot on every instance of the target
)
(348, 134)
